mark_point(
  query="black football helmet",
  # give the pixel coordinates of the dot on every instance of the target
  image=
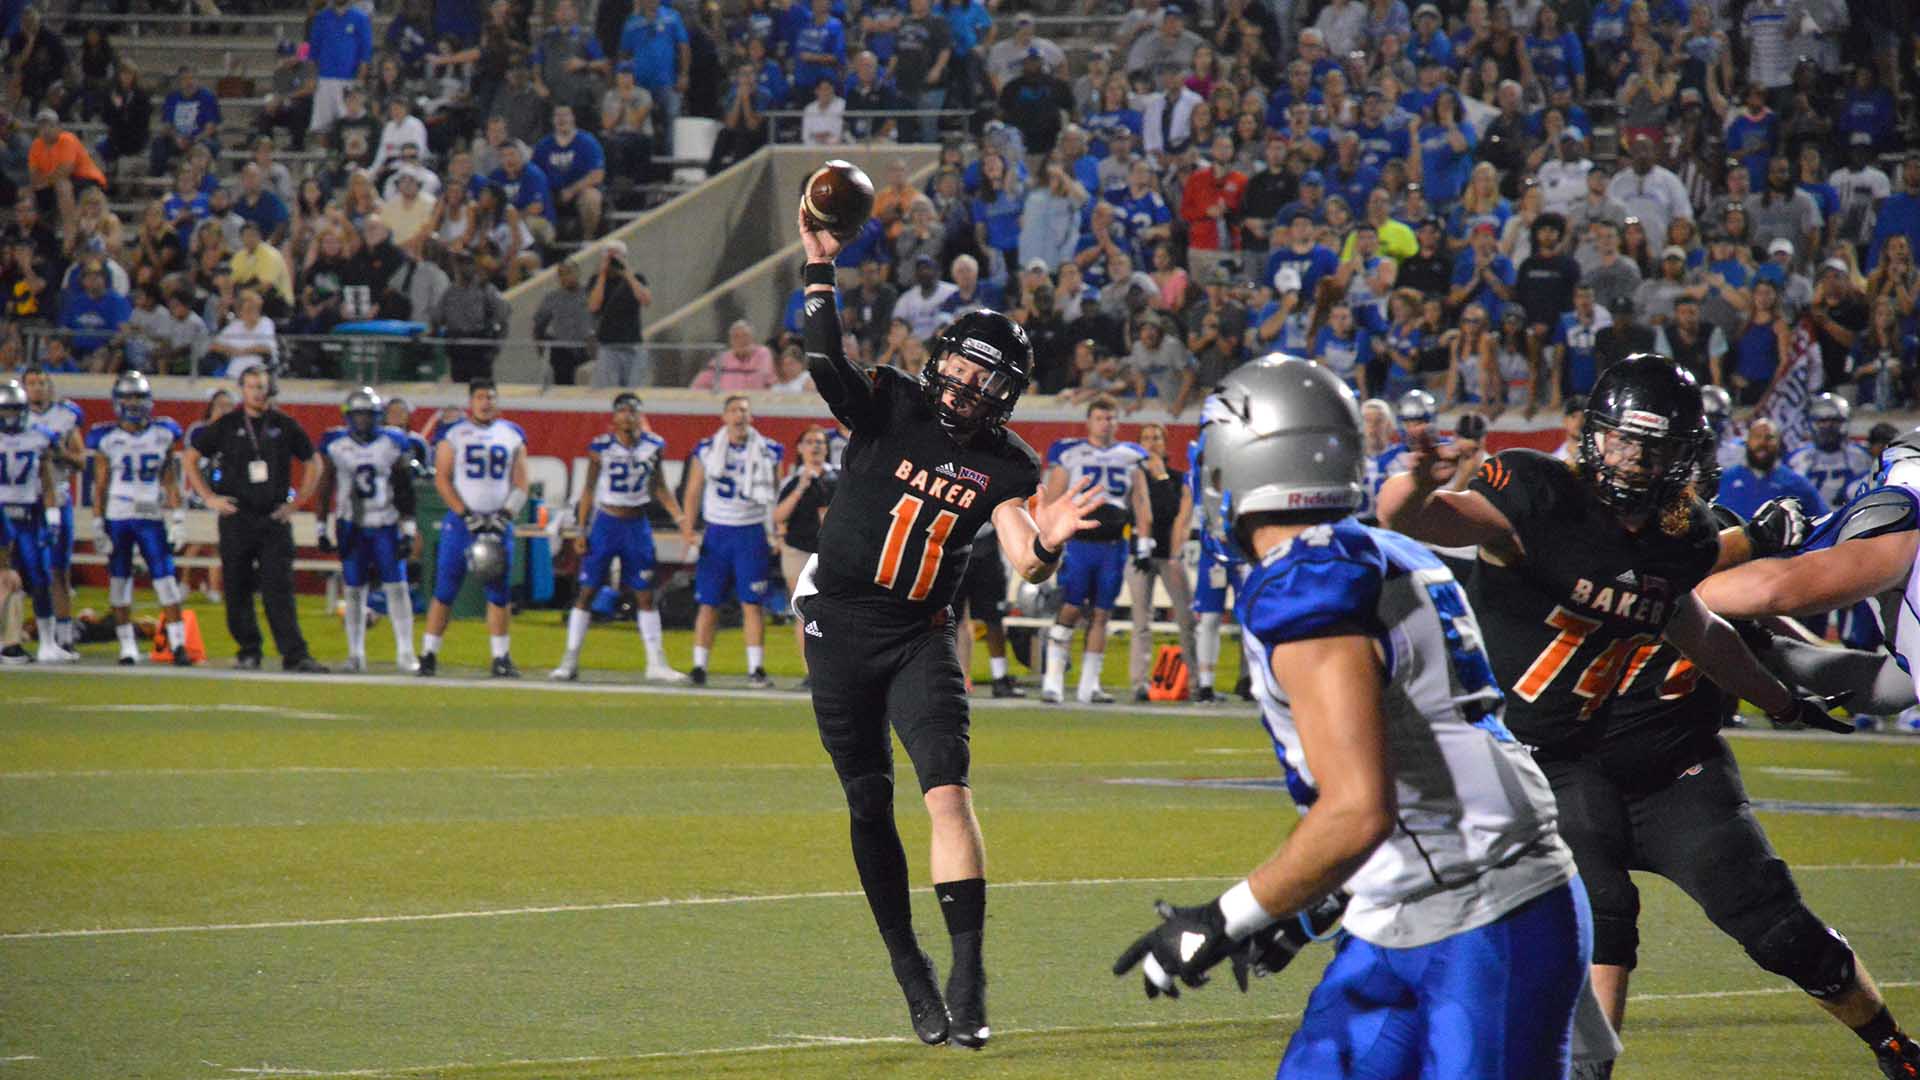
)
(1638, 446)
(994, 342)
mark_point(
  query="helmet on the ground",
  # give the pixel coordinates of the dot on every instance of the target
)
(1279, 434)
(1717, 404)
(1829, 414)
(133, 398)
(1416, 407)
(995, 343)
(13, 407)
(363, 410)
(487, 558)
(1637, 447)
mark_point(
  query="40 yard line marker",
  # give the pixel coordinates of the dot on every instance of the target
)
(682, 901)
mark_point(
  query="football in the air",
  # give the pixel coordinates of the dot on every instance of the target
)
(838, 198)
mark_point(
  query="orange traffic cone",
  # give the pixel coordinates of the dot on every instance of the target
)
(196, 650)
(1169, 679)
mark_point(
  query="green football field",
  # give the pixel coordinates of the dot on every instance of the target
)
(203, 876)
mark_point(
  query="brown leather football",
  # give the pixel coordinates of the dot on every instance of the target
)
(838, 198)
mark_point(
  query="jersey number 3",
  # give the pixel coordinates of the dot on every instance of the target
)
(905, 513)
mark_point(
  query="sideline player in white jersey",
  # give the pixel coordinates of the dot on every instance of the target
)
(625, 474)
(1095, 564)
(732, 476)
(367, 468)
(64, 419)
(1364, 652)
(480, 470)
(135, 479)
(1831, 462)
(30, 510)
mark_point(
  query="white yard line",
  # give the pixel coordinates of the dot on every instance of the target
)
(814, 1042)
(677, 902)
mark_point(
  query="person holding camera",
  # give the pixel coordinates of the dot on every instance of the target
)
(616, 298)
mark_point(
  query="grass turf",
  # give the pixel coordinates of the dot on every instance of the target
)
(683, 902)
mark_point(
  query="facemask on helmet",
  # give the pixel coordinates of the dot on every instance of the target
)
(999, 362)
(1829, 417)
(133, 399)
(363, 409)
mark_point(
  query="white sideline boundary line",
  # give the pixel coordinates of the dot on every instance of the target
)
(675, 902)
(504, 771)
(815, 1042)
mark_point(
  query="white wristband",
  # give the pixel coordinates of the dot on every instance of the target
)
(1243, 912)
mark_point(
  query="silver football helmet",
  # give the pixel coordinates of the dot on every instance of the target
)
(363, 410)
(133, 398)
(487, 558)
(1902, 454)
(13, 407)
(1829, 414)
(1416, 407)
(1279, 433)
(1717, 404)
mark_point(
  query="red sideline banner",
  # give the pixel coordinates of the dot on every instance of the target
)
(558, 431)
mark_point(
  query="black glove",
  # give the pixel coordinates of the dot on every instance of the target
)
(1814, 711)
(325, 543)
(1778, 526)
(1187, 942)
(404, 549)
(1267, 952)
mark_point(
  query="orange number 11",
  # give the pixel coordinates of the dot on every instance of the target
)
(905, 513)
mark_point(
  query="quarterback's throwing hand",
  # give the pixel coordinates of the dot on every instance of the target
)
(1188, 941)
(820, 245)
(1060, 519)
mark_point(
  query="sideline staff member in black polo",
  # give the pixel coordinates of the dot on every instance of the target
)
(254, 447)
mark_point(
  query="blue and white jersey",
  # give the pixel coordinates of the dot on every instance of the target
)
(1732, 450)
(20, 456)
(1113, 468)
(363, 475)
(136, 462)
(483, 461)
(62, 417)
(1475, 836)
(1833, 473)
(741, 487)
(1375, 470)
(1346, 357)
(627, 472)
(1889, 504)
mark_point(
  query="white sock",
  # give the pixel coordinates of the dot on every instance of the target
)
(430, 643)
(1090, 663)
(400, 610)
(997, 665)
(125, 633)
(578, 619)
(650, 635)
(756, 657)
(1054, 678)
(1206, 646)
(63, 632)
(176, 635)
(357, 622)
(499, 643)
(701, 654)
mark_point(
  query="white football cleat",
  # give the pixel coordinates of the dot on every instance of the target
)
(564, 673)
(1050, 696)
(355, 665)
(52, 653)
(664, 673)
(407, 663)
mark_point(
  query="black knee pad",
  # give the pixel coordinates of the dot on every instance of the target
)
(869, 797)
(1616, 940)
(1800, 947)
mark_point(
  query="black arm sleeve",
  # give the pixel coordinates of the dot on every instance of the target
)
(847, 390)
(403, 497)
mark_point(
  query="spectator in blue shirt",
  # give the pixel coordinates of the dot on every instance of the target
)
(656, 40)
(410, 37)
(94, 314)
(1481, 275)
(191, 114)
(575, 166)
(1429, 43)
(972, 27)
(1378, 142)
(524, 186)
(1554, 50)
(1761, 476)
(257, 204)
(1446, 150)
(340, 43)
(819, 50)
(1303, 255)
(185, 207)
(1899, 213)
(1867, 108)
(1342, 347)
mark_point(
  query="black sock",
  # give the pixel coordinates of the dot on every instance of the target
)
(1879, 1029)
(964, 903)
(882, 863)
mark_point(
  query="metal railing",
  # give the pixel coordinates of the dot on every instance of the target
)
(788, 132)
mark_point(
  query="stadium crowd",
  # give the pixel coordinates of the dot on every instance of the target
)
(1488, 200)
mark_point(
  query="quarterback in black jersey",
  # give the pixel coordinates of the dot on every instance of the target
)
(929, 461)
(1585, 574)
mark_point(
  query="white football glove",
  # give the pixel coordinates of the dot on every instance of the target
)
(177, 530)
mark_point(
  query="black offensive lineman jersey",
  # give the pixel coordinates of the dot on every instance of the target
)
(1581, 614)
(910, 497)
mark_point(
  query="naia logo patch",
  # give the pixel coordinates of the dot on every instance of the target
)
(974, 475)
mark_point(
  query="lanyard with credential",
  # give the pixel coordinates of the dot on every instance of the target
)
(256, 465)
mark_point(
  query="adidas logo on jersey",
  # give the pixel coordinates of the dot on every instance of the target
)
(813, 629)
(946, 470)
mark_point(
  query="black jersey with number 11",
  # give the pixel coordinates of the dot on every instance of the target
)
(911, 496)
(1580, 615)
